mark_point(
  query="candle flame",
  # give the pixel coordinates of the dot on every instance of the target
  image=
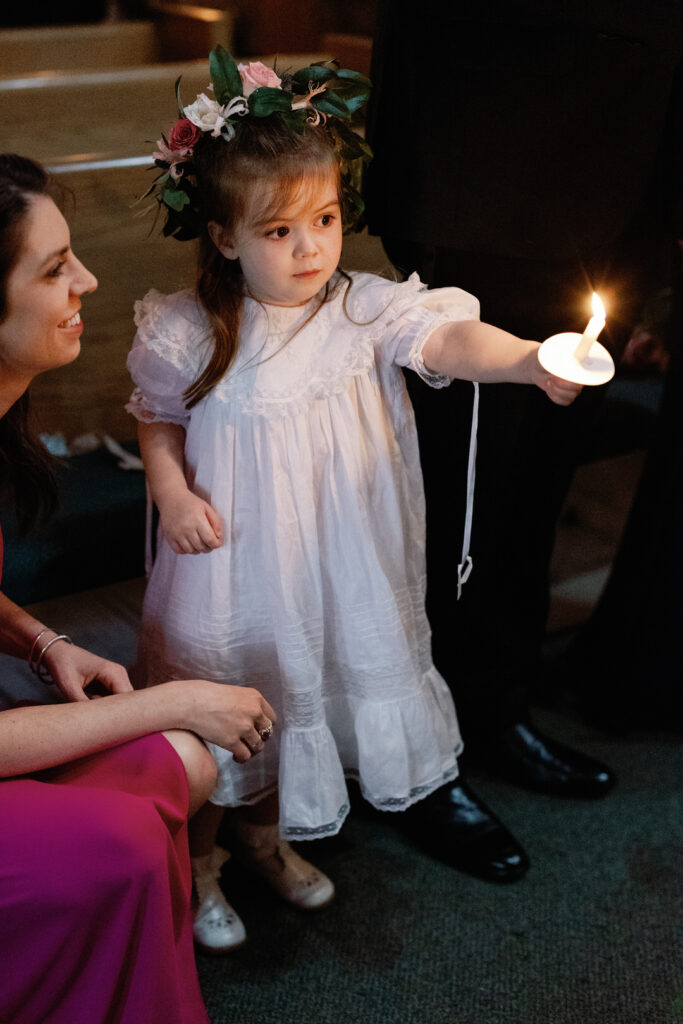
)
(598, 308)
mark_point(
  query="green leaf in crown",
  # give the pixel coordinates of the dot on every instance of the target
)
(330, 103)
(181, 109)
(315, 73)
(176, 198)
(351, 145)
(227, 81)
(265, 101)
(354, 94)
(355, 76)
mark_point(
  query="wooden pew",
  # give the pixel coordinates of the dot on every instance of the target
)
(189, 31)
(352, 51)
(179, 31)
(119, 112)
(26, 51)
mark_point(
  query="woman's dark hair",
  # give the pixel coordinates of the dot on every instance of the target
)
(26, 467)
(280, 163)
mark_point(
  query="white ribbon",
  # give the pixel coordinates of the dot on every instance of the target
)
(465, 567)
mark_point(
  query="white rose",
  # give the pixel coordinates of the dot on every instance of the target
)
(210, 116)
(206, 114)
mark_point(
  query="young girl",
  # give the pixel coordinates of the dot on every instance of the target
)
(281, 452)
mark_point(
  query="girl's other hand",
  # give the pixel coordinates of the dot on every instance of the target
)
(73, 668)
(191, 525)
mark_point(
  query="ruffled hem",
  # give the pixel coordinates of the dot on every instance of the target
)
(297, 833)
(398, 751)
(331, 828)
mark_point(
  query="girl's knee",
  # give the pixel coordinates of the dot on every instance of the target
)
(200, 767)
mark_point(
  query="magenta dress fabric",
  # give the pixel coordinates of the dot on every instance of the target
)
(95, 921)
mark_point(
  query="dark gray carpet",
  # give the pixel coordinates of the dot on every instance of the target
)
(591, 936)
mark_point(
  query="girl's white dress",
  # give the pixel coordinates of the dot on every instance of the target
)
(308, 450)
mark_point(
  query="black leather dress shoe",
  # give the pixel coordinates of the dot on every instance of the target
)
(522, 755)
(453, 825)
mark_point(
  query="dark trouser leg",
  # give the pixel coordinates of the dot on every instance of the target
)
(626, 664)
(488, 644)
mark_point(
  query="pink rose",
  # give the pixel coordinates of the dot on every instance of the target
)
(255, 75)
(181, 140)
(183, 135)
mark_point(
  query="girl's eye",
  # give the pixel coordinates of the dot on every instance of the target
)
(326, 219)
(56, 271)
(280, 232)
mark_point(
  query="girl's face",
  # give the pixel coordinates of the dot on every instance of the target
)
(42, 324)
(287, 260)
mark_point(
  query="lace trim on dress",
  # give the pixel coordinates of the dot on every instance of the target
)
(307, 387)
(293, 400)
(282, 320)
(390, 804)
(400, 296)
(394, 298)
(416, 362)
(329, 829)
(138, 406)
(147, 305)
(403, 300)
(415, 794)
(166, 331)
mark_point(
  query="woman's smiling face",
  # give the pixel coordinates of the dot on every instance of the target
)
(42, 326)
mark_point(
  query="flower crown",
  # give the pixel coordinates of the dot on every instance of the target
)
(313, 94)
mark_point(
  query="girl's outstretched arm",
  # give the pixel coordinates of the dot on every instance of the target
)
(33, 738)
(191, 525)
(472, 350)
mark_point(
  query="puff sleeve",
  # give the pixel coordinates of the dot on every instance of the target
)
(408, 314)
(166, 357)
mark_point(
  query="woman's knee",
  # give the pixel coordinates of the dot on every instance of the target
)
(200, 767)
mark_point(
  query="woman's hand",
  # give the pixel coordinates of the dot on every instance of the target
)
(72, 668)
(191, 525)
(237, 718)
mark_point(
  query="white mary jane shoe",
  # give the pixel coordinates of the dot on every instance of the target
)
(217, 928)
(259, 848)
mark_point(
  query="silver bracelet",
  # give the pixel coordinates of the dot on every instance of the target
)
(44, 630)
(42, 673)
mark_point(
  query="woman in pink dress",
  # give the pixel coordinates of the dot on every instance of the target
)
(95, 884)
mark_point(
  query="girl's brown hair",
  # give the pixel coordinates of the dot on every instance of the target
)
(272, 157)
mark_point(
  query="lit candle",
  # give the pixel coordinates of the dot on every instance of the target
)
(593, 328)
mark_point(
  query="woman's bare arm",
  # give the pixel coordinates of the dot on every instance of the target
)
(33, 738)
